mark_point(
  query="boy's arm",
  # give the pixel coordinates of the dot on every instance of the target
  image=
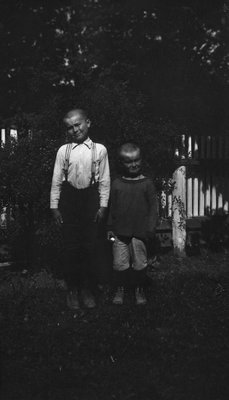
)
(104, 180)
(104, 185)
(57, 180)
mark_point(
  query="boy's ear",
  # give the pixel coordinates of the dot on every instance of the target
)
(88, 122)
(119, 165)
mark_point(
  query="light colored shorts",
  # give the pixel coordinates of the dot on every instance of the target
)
(129, 253)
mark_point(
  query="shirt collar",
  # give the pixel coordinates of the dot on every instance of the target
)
(87, 142)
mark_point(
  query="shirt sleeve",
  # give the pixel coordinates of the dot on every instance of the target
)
(104, 179)
(57, 180)
(153, 202)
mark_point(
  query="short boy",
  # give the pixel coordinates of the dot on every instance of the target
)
(132, 221)
(78, 200)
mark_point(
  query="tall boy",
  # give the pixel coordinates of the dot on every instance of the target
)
(78, 200)
(133, 218)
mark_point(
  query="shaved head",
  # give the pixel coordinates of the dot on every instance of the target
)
(128, 148)
(75, 111)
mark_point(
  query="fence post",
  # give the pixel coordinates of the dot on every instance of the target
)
(3, 137)
(179, 211)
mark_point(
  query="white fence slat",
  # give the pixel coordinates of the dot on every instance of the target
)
(176, 152)
(201, 198)
(183, 146)
(207, 195)
(226, 192)
(213, 195)
(3, 136)
(189, 197)
(169, 205)
(226, 207)
(220, 201)
(196, 148)
(3, 218)
(195, 197)
(190, 147)
(13, 134)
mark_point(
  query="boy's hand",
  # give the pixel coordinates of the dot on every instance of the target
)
(57, 216)
(101, 214)
(110, 235)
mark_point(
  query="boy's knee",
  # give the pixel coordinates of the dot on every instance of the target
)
(121, 267)
(140, 265)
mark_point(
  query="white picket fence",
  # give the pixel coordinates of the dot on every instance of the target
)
(207, 190)
(13, 134)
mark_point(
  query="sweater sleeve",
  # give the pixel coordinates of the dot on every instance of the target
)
(153, 203)
(111, 207)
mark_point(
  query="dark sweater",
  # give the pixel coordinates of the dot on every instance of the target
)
(133, 210)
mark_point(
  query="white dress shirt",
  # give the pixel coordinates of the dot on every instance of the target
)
(79, 170)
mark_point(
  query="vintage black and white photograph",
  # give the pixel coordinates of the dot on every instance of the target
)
(114, 200)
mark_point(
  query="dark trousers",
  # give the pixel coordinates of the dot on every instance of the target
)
(80, 234)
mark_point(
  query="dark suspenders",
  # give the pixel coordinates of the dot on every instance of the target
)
(93, 164)
(66, 160)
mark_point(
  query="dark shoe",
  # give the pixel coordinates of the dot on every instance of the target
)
(88, 299)
(140, 297)
(72, 300)
(119, 296)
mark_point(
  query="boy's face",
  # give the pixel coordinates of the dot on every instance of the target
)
(131, 163)
(77, 127)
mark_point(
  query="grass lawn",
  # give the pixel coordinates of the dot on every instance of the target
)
(175, 347)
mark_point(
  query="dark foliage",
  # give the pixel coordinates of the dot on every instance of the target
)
(146, 71)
